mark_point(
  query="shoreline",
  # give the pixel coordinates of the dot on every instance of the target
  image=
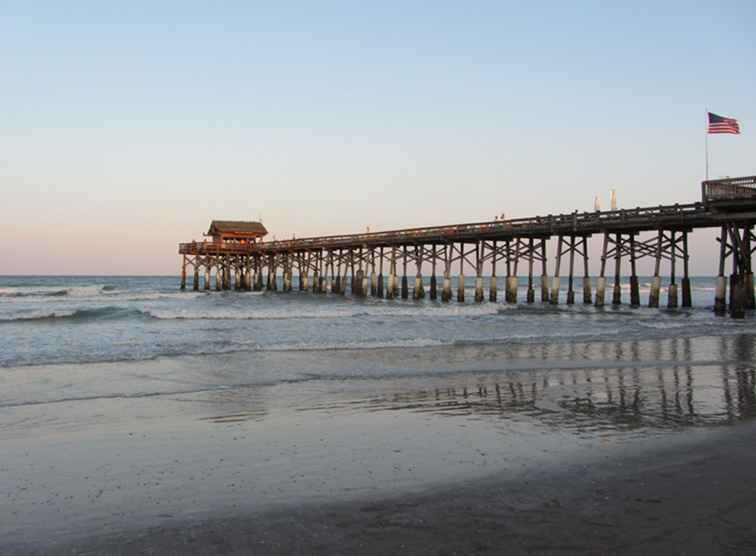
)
(384, 448)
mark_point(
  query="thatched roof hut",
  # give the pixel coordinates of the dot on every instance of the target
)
(236, 230)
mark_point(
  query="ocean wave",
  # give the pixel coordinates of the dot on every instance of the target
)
(78, 315)
(320, 312)
(54, 293)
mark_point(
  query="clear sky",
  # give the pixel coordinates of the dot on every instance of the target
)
(126, 127)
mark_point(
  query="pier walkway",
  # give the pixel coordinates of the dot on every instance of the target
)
(356, 262)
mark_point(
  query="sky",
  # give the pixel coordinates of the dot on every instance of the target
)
(126, 127)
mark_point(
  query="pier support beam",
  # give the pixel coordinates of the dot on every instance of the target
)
(720, 294)
(672, 290)
(433, 289)
(653, 294)
(329, 272)
(571, 278)
(226, 275)
(461, 284)
(530, 295)
(373, 275)
(687, 298)
(492, 286)
(207, 274)
(544, 274)
(419, 291)
(446, 289)
(748, 268)
(322, 272)
(195, 277)
(183, 272)
(362, 277)
(587, 298)
(634, 286)
(510, 285)
(405, 290)
(554, 298)
(391, 291)
(617, 293)
(380, 273)
(601, 283)
(738, 293)
(478, 273)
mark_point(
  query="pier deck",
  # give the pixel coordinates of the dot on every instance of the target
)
(729, 205)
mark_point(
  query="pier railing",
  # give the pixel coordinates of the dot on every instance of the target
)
(575, 222)
(729, 189)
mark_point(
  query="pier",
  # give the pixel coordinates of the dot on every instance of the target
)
(385, 264)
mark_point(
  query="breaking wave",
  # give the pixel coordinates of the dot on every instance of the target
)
(79, 315)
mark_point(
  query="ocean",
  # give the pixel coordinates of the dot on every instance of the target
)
(126, 403)
(48, 320)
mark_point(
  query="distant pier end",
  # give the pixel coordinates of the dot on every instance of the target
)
(241, 259)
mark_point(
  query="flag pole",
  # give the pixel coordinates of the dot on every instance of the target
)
(706, 144)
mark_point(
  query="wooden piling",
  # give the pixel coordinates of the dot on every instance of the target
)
(634, 286)
(554, 298)
(433, 290)
(720, 294)
(373, 275)
(329, 271)
(354, 286)
(322, 271)
(478, 273)
(419, 291)
(738, 296)
(338, 283)
(570, 280)
(653, 294)
(748, 268)
(208, 265)
(380, 273)
(511, 285)
(492, 287)
(391, 292)
(530, 295)
(363, 276)
(461, 282)
(405, 290)
(258, 273)
(544, 274)
(195, 277)
(183, 272)
(672, 290)
(313, 278)
(617, 292)
(446, 290)
(587, 296)
(687, 298)
(601, 282)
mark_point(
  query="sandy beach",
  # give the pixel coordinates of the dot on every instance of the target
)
(694, 497)
(593, 447)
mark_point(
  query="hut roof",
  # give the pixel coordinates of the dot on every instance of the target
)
(236, 227)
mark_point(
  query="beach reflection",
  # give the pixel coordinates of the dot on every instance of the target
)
(650, 384)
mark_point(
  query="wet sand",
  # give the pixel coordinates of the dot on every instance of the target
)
(694, 498)
(599, 447)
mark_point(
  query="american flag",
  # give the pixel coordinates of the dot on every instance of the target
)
(720, 124)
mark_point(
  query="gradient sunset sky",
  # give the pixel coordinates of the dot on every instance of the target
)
(127, 126)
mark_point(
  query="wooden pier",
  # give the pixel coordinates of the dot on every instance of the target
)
(377, 263)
